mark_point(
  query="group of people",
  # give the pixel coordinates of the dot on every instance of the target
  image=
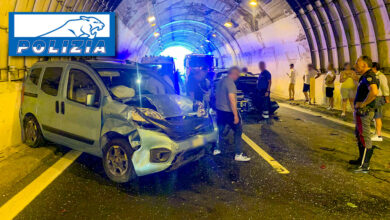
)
(366, 89)
(349, 80)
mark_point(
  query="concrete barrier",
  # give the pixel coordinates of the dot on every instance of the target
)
(10, 133)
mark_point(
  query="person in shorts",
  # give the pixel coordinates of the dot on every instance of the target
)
(329, 85)
(348, 80)
(311, 73)
(381, 100)
(292, 75)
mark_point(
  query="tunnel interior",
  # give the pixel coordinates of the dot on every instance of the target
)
(236, 32)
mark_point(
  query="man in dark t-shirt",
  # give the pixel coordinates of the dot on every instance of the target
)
(364, 112)
(264, 90)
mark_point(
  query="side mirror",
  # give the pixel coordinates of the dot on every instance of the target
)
(90, 99)
(123, 92)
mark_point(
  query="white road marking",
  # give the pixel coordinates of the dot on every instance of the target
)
(17, 203)
(339, 121)
(275, 164)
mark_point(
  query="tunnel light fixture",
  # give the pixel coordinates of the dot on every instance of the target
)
(253, 3)
(207, 40)
(228, 24)
(151, 19)
(156, 34)
(214, 35)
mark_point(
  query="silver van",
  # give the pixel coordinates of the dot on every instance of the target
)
(119, 111)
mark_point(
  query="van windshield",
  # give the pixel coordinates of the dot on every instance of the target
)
(141, 82)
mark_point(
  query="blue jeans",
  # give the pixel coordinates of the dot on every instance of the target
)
(227, 118)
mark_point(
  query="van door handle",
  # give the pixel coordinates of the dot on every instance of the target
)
(62, 108)
(57, 106)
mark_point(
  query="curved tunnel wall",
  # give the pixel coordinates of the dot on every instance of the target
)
(276, 31)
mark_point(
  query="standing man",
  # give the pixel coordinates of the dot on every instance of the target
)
(310, 73)
(329, 85)
(195, 83)
(292, 75)
(264, 89)
(227, 114)
(382, 99)
(364, 112)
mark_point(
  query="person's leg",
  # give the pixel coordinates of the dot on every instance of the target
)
(293, 91)
(378, 126)
(365, 137)
(344, 107)
(331, 100)
(221, 128)
(351, 102)
(237, 129)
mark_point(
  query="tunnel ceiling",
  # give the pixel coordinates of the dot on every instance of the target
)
(337, 31)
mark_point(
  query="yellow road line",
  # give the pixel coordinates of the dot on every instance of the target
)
(339, 121)
(275, 164)
(17, 203)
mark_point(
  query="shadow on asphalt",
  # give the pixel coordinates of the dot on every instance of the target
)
(220, 171)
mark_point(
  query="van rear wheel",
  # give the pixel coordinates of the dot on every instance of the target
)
(117, 160)
(33, 136)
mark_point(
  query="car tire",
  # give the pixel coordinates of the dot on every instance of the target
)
(33, 136)
(117, 160)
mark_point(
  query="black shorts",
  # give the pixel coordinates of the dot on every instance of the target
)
(306, 87)
(329, 92)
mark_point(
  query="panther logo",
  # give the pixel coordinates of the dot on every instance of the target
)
(82, 27)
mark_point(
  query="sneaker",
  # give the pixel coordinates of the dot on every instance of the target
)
(377, 138)
(362, 169)
(265, 115)
(343, 114)
(216, 152)
(241, 157)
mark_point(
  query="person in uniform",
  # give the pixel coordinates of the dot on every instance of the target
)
(364, 112)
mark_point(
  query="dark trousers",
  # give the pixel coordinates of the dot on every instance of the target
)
(224, 119)
(362, 129)
(263, 101)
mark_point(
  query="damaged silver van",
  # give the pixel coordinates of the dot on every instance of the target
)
(119, 111)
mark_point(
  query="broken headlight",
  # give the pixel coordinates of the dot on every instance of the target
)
(139, 113)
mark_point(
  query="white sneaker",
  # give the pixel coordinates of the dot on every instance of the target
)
(216, 152)
(376, 138)
(241, 157)
(265, 115)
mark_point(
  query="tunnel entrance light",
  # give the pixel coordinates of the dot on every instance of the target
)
(253, 3)
(228, 24)
(156, 34)
(178, 53)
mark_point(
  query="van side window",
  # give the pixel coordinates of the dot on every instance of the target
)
(51, 80)
(82, 89)
(35, 74)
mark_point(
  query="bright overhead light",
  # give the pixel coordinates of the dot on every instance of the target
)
(207, 40)
(156, 34)
(153, 24)
(214, 35)
(253, 3)
(228, 24)
(151, 19)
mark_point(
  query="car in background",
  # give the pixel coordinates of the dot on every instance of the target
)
(119, 111)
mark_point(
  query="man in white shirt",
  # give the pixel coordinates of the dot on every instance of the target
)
(382, 99)
(311, 73)
(292, 75)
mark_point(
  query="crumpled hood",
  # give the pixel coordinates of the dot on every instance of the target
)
(171, 105)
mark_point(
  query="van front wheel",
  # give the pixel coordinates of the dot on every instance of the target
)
(117, 160)
(32, 132)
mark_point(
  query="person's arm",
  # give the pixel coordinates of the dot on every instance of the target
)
(370, 97)
(385, 88)
(269, 88)
(233, 105)
(342, 79)
(318, 74)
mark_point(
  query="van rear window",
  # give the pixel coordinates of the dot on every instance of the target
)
(51, 80)
(35, 74)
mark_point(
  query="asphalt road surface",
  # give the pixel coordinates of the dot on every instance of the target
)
(320, 185)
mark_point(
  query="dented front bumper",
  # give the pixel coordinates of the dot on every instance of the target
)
(181, 152)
